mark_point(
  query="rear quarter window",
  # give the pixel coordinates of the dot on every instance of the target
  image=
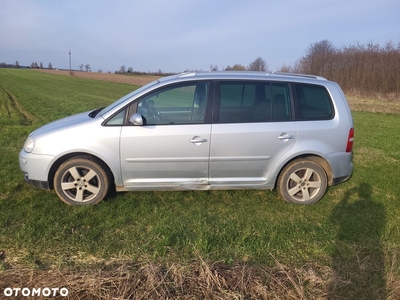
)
(313, 103)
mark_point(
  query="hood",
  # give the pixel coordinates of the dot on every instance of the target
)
(64, 123)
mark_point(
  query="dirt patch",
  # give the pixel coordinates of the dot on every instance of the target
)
(127, 79)
(10, 107)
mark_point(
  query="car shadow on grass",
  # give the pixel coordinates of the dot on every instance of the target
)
(358, 258)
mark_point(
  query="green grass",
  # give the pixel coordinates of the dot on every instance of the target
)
(45, 97)
(354, 230)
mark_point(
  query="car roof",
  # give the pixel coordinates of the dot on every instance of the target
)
(243, 75)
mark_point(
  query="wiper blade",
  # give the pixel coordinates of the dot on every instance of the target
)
(95, 112)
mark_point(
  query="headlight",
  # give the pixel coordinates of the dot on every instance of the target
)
(29, 145)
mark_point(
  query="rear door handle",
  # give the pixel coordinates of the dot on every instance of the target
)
(285, 136)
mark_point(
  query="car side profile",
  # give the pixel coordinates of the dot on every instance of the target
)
(201, 131)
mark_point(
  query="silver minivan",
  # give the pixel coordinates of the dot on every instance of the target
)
(201, 131)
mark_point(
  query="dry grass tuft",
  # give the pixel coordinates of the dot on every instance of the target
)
(110, 77)
(393, 276)
(378, 103)
(197, 280)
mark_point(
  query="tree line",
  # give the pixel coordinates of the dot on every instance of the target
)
(365, 69)
(258, 64)
(33, 65)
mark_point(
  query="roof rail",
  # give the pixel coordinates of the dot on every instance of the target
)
(187, 74)
(299, 75)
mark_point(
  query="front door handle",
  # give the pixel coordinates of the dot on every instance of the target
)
(197, 140)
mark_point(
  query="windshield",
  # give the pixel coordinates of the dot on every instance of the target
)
(126, 97)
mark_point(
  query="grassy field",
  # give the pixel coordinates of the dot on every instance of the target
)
(200, 244)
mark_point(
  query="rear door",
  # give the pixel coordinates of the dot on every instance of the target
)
(253, 127)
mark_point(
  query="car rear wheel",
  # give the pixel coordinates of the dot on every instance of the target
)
(302, 182)
(81, 181)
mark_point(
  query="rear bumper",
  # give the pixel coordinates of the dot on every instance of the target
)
(338, 180)
(342, 166)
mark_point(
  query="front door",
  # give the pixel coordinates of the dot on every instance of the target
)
(171, 149)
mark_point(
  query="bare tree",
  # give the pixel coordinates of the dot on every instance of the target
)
(130, 70)
(81, 67)
(87, 68)
(258, 65)
(122, 69)
(236, 67)
(286, 69)
(316, 57)
(50, 66)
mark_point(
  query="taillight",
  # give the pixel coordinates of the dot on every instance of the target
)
(350, 140)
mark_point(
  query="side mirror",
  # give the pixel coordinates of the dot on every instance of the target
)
(136, 119)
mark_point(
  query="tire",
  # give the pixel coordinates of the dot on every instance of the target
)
(302, 182)
(81, 181)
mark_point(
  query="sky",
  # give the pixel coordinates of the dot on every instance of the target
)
(179, 35)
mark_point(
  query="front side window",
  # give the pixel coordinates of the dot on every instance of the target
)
(246, 102)
(313, 103)
(126, 97)
(178, 104)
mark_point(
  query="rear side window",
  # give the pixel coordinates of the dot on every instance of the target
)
(313, 103)
(246, 102)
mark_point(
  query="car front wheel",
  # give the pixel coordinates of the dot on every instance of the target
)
(81, 181)
(302, 182)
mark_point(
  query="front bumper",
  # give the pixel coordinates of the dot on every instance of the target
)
(44, 185)
(36, 168)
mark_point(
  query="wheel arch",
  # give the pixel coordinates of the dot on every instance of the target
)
(65, 157)
(314, 158)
